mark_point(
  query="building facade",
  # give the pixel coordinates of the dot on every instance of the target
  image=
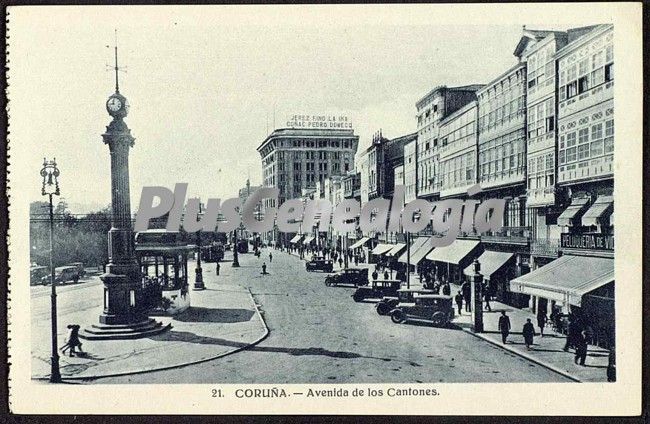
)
(410, 171)
(431, 109)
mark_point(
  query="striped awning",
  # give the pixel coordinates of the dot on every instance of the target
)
(417, 244)
(307, 239)
(566, 279)
(572, 214)
(359, 243)
(455, 253)
(380, 249)
(396, 249)
(602, 208)
(296, 238)
(490, 262)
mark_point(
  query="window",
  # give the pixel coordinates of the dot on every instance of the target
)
(571, 89)
(609, 72)
(562, 156)
(583, 84)
(597, 77)
(609, 54)
(582, 66)
(571, 139)
(597, 132)
(609, 128)
(427, 146)
(596, 148)
(609, 145)
(571, 154)
(598, 59)
(583, 151)
(583, 135)
(550, 123)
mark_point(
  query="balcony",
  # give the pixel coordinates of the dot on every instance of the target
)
(545, 247)
(508, 235)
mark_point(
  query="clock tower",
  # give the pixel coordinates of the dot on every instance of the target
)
(122, 317)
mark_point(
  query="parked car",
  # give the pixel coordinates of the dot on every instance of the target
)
(36, 274)
(319, 263)
(80, 268)
(377, 290)
(431, 307)
(349, 276)
(388, 303)
(63, 274)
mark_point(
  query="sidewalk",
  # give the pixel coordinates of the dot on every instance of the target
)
(222, 319)
(546, 351)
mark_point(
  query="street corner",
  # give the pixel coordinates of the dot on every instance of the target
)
(221, 321)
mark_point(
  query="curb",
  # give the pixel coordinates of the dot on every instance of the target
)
(170, 367)
(523, 355)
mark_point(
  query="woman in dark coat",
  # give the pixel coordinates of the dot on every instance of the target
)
(528, 332)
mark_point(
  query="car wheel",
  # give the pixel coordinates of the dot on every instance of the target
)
(397, 316)
(383, 308)
(328, 284)
(438, 319)
(357, 297)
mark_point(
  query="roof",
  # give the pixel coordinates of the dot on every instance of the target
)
(308, 132)
(566, 279)
(455, 114)
(430, 94)
(533, 35)
(512, 69)
(578, 36)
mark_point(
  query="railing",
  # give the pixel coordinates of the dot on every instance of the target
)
(518, 235)
(545, 247)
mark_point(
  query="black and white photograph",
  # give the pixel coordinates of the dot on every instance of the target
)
(366, 204)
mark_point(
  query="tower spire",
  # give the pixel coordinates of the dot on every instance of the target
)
(117, 80)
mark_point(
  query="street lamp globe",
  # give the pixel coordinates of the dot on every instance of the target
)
(50, 174)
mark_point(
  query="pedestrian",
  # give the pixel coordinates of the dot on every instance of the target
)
(446, 289)
(580, 343)
(340, 262)
(466, 288)
(356, 260)
(504, 326)
(263, 268)
(218, 268)
(72, 341)
(528, 332)
(541, 322)
(375, 275)
(270, 257)
(572, 334)
(385, 275)
(459, 302)
(487, 296)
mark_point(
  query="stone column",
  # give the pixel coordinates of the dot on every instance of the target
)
(476, 280)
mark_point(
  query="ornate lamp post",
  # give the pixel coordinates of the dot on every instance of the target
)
(235, 254)
(50, 174)
(198, 282)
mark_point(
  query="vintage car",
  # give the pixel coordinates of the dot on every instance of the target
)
(319, 263)
(431, 307)
(349, 276)
(36, 274)
(80, 268)
(63, 274)
(377, 290)
(388, 303)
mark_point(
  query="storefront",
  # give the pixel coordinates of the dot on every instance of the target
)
(498, 268)
(450, 261)
(418, 250)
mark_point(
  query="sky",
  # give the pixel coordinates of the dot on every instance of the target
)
(205, 85)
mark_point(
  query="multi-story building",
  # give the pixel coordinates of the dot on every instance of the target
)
(410, 171)
(352, 185)
(294, 159)
(457, 152)
(393, 158)
(398, 176)
(431, 109)
(383, 155)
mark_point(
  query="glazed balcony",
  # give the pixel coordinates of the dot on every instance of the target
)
(508, 235)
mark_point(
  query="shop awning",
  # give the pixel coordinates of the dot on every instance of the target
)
(380, 249)
(422, 252)
(455, 253)
(566, 279)
(572, 214)
(307, 239)
(396, 249)
(295, 239)
(359, 242)
(490, 262)
(602, 208)
(417, 244)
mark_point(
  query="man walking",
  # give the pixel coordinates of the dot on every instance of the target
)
(504, 326)
(487, 296)
(541, 322)
(529, 333)
(580, 343)
(263, 268)
(459, 302)
(218, 268)
(270, 257)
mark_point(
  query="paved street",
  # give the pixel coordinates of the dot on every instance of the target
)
(318, 334)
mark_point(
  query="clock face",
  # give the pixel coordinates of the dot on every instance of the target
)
(114, 104)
